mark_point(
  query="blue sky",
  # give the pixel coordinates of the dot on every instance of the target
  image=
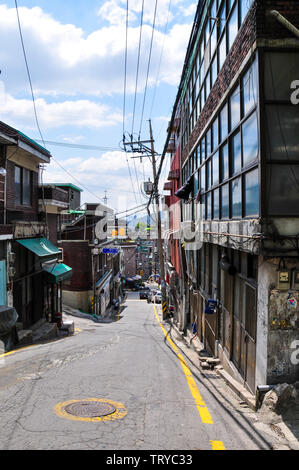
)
(75, 50)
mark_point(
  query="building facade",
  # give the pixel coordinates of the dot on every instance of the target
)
(29, 261)
(239, 158)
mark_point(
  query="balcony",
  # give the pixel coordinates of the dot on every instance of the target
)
(23, 229)
(52, 196)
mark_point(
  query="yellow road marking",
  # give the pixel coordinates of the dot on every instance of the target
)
(200, 404)
(217, 445)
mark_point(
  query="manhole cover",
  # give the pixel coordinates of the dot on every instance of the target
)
(90, 409)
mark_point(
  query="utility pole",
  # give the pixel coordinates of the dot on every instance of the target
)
(160, 242)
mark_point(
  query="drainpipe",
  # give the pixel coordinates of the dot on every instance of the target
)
(285, 22)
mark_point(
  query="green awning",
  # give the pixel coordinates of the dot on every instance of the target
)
(60, 272)
(42, 247)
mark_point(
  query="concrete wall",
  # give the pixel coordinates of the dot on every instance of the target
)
(277, 326)
(78, 300)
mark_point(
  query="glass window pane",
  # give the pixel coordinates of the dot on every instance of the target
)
(224, 162)
(244, 6)
(208, 143)
(250, 139)
(203, 178)
(282, 135)
(251, 192)
(26, 187)
(216, 204)
(209, 206)
(18, 199)
(222, 51)
(196, 183)
(215, 169)
(237, 197)
(222, 19)
(213, 36)
(215, 134)
(214, 71)
(225, 201)
(249, 87)
(236, 153)
(203, 149)
(209, 176)
(235, 108)
(232, 27)
(223, 123)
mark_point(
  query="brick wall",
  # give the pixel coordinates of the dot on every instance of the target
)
(77, 255)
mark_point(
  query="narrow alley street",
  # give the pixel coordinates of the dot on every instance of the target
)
(162, 400)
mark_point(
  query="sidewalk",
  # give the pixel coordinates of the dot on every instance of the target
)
(281, 429)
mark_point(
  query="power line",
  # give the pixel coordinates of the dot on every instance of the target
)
(138, 62)
(125, 71)
(148, 65)
(160, 60)
(28, 71)
(79, 146)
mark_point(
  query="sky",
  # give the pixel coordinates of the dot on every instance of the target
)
(76, 56)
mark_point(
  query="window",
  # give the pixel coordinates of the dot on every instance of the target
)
(237, 198)
(244, 6)
(216, 204)
(196, 183)
(236, 153)
(215, 134)
(208, 143)
(224, 163)
(250, 139)
(215, 169)
(23, 185)
(232, 27)
(26, 187)
(222, 51)
(222, 19)
(18, 187)
(249, 86)
(209, 206)
(225, 201)
(224, 123)
(251, 183)
(203, 178)
(214, 71)
(235, 108)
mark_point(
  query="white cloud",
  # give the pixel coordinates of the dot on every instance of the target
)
(77, 113)
(64, 61)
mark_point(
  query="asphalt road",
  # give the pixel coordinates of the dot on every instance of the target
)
(162, 400)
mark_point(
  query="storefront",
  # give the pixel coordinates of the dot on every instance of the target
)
(37, 282)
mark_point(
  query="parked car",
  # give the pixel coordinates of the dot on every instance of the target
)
(155, 297)
(144, 292)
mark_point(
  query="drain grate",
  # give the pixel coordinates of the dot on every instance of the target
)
(90, 409)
